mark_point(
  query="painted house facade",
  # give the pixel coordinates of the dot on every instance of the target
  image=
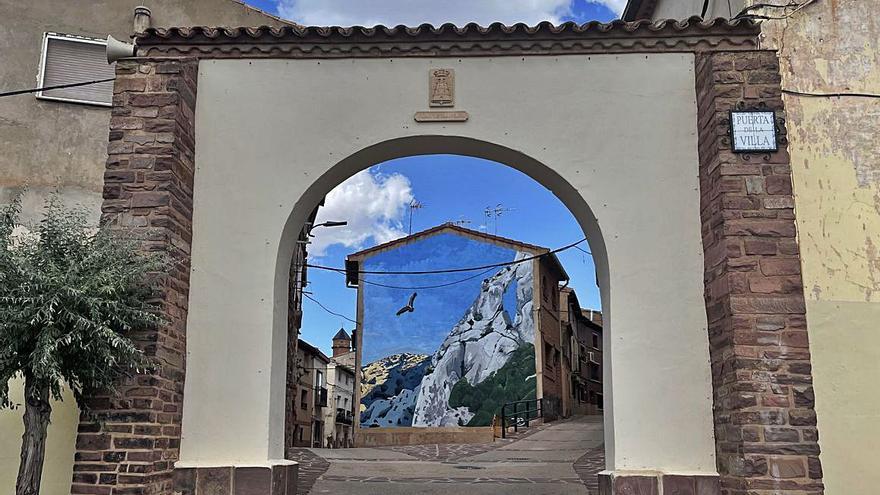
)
(339, 414)
(312, 397)
(582, 332)
(434, 349)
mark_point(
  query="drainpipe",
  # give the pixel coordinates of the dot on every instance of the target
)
(141, 19)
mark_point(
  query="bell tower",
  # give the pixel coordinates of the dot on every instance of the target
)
(341, 343)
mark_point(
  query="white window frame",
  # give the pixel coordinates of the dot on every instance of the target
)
(41, 75)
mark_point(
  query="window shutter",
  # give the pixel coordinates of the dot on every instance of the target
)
(70, 60)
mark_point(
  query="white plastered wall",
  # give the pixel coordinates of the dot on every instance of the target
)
(613, 136)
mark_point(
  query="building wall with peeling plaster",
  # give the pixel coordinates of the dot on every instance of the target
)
(50, 146)
(831, 46)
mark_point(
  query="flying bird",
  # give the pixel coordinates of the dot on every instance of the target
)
(409, 306)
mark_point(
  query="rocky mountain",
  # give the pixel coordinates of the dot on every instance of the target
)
(478, 345)
(389, 389)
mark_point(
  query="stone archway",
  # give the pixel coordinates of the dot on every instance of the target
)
(656, 169)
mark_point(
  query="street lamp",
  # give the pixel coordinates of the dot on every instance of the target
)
(326, 224)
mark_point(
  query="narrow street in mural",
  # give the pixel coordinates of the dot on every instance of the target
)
(467, 345)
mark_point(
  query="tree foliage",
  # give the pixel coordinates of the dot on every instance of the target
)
(512, 382)
(69, 295)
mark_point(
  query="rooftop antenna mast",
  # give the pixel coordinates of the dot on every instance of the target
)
(413, 206)
(494, 213)
(461, 222)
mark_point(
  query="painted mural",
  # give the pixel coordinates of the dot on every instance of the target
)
(451, 354)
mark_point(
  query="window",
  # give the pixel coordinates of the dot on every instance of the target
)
(595, 341)
(548, 355)
(304, 399)
(594, 372)
(68, 59)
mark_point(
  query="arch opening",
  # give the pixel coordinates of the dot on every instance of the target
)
(306, 206)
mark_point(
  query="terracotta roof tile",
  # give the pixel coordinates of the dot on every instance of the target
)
(426, 39)
(695, 24)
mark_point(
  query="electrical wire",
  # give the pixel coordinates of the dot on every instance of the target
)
(830, 95)
(791, 5)
(583, 250)
(450, 270)
(423, 287)
(59, 86)
(328, 310)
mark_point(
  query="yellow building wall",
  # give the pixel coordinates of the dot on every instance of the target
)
(61, 442)
(831, 46)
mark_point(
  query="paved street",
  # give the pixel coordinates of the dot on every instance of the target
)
(559, 459)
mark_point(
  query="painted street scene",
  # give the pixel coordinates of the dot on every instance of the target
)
(381, 247)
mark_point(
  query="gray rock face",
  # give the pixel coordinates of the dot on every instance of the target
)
(478, 345)
(389, 389)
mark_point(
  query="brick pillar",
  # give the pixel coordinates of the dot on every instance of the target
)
(131, 444)
(765, 425)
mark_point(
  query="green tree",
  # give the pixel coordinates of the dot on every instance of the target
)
(512, 382)
(69, 293)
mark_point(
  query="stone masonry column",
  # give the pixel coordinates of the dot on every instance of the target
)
(132, 441)
(765, 425)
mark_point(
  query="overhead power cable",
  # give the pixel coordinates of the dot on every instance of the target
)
(830, 95)
(325, 308)
(744, 13)
(421, 287)
(59, 86)
(583, 250)
(450, 270)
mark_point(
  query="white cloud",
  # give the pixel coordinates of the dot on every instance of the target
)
(615, 6)
(415, 12)
(374, 206)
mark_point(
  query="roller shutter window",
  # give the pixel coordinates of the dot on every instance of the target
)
(70, 59)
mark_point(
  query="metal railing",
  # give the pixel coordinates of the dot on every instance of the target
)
(344, 416)
(513, 414)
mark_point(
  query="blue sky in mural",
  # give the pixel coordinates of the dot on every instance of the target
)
(436, 310)
(453, 188)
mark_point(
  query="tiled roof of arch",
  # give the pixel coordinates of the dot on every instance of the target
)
(692, 34)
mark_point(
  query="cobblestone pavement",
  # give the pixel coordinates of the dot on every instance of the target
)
(311, 466)
(588, 467)
(560, 458)
(453, 452)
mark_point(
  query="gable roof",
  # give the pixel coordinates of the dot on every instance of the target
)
(312, 350)
(262, 12)
(636, 10)
(352, 261)
(444, 228)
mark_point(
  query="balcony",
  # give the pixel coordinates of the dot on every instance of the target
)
(343, 416)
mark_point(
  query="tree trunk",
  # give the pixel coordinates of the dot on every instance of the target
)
(33, 443)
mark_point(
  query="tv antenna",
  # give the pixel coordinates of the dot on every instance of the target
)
(494, 213)
(413, 206)
(461, 222)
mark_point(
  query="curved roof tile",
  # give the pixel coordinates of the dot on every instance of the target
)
(692, 34)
